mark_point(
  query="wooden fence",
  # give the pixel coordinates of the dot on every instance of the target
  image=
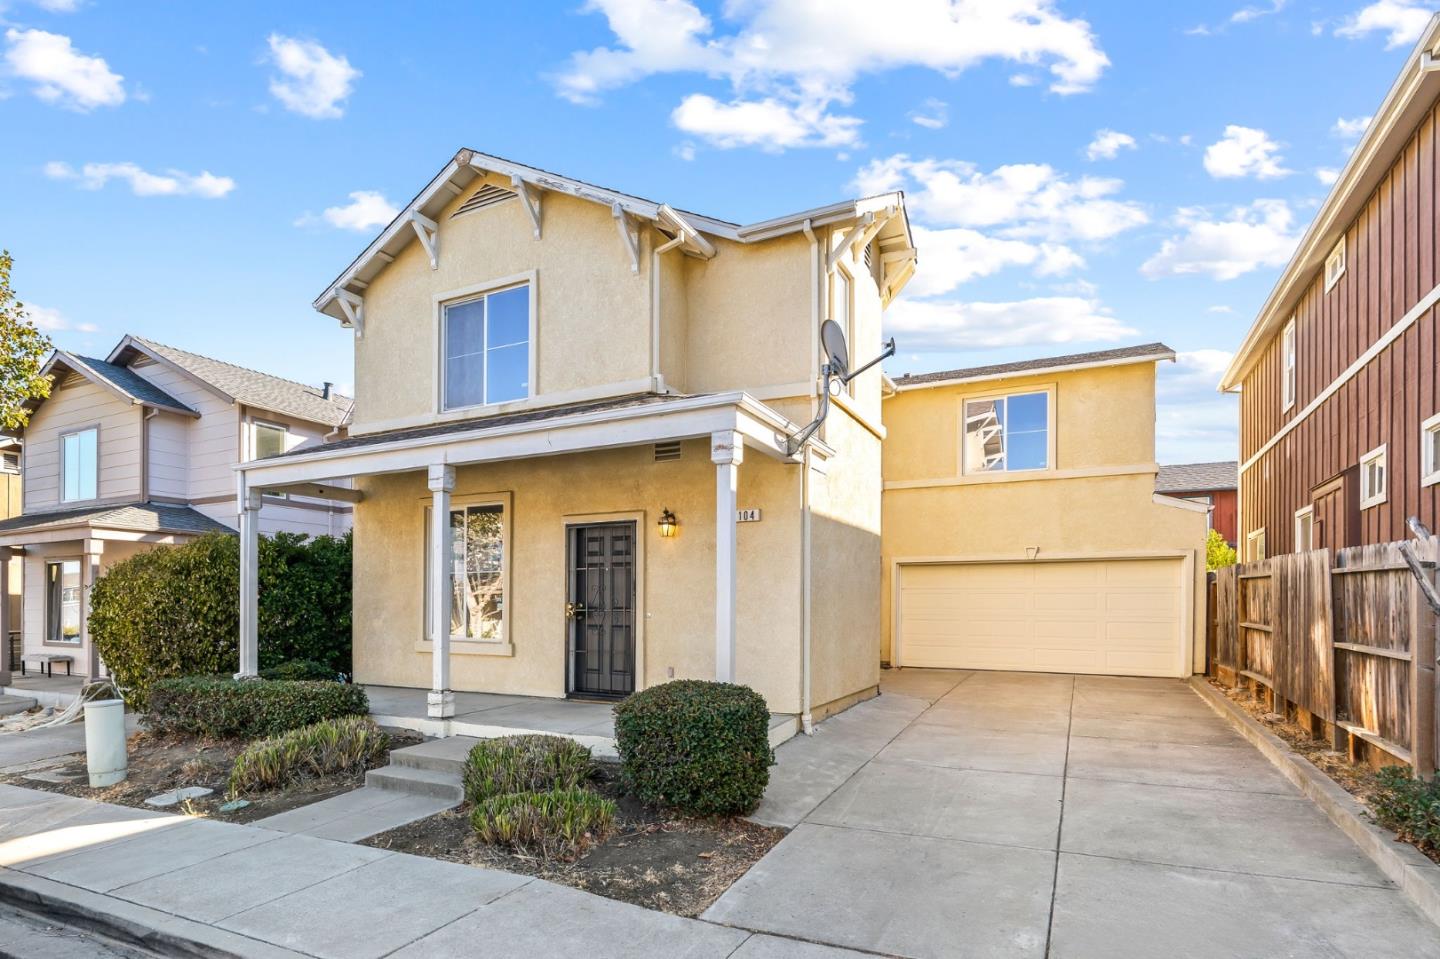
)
(1343, 644)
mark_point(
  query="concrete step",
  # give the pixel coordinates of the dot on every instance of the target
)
(416, 782)
(10, 705)
(437, 755)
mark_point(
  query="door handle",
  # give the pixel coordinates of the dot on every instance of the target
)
(574, 610)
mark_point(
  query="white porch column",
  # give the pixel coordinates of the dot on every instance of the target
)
(441, 701)
(89, 573)
(5, 624)
(727, 451)
(250, 502)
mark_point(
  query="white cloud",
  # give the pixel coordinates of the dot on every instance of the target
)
(770, 124)
(958, 255)
(1024, 200)
(947, 325)
(93, 176)
(1246, 239)
(58, 6)
(1350, 129)
(1402, 22)
(1220, 308)
(1108, 144)
(685, 151)
(1193, 422)
(934, 116)
(51, 320)
(1244, 151)
(1246, 14)
(788, 53)
(1327, 175)
(367, 210)
(59, 73)
(313, 81)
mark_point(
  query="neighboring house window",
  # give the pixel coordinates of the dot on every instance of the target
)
(477, 573)
(1007, 433)
(79, 465)
(1373, 478)
(62, 601)
(486, 343)
(841, 308)
(1305, 529)
(1335, 265)
(1287, 359)
(1430, 451)
(270, 440)
(1255, 546)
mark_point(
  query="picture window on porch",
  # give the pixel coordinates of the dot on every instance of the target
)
(486, 343)
(477, 573)
(1007, 433)
(62, 602)
(79, 465)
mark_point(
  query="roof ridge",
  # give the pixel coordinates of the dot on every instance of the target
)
(1119, 352)
(234, 366)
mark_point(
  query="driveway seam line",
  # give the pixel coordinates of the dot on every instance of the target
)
(1060, 825)
(790, 937)
(875, 830)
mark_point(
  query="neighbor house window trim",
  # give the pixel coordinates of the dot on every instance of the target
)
(64, 461)
(1429, 460)
(256, 426)
(456, 297)
(1336, 255)
(1289, 367)
(1255, 545)
(1305, 514)
(504, 645)
(1050, 444)
(1369, 498)
(53, 627)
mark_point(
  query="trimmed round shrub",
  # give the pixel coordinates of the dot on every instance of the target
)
(558, 822)
(175, 610)
(700, 747)
(301, 669)
(526, 763)
(223, 708)
(348, 744)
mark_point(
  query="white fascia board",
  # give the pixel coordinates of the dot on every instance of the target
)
(1160, 499)
(1038, 371)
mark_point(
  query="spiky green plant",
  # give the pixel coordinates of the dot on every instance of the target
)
(348, 744)
(525, 763)
(555, 823)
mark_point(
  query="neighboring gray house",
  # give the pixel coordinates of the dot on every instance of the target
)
(136, 449)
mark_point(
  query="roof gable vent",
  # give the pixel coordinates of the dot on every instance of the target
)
(487, 195)
(667, 452)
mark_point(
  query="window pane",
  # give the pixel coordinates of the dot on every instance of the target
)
(509, 316)
(62, 585)
(984, 436)
(1432, 442)
(1025, 451)
(465, 354)
(484, 591)
(457, 572)
(1027, 413)
(78, 455)
(508, 373)
(269, 441)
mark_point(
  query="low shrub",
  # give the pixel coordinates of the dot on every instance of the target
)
(1409, 806)
(524, 764)
(348, 744)
(300, 669)
(230, 708)
(700, 747)
(557, 822)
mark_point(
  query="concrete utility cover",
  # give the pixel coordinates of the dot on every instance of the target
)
(165, 800)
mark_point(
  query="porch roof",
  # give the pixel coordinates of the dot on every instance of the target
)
(129, 518)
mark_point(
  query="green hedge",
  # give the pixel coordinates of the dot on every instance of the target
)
(1409, 806)
(300, 669)
(175, 610)
(701, 747)
(247, 708)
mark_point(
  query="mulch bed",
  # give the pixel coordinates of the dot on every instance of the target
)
(161, 764)
(659, 860)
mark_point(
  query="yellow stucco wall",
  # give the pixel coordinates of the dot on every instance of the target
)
(1098, 501)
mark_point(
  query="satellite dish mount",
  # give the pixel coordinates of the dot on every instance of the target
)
(836, 368)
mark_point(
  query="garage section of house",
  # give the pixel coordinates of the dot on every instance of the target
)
(1110, 616)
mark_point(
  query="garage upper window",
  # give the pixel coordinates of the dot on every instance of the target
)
(1007, 433)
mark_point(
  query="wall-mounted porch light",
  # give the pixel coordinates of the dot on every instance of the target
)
(668, 524)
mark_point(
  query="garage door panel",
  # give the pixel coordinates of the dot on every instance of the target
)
(1101, 616)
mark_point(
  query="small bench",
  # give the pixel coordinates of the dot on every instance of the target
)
(46, 662)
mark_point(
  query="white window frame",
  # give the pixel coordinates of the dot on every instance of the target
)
(1429, 462)
(842, 287)
(504, 645)
(475, 291)
(1335, 265)
(1305, 514)
(1375, 498)
(50, 627)
(93, 428)
(256, 426)
(1050, 466)
(1255, 545)
(1289, 371)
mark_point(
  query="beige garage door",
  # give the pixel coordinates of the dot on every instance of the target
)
(1105, 616)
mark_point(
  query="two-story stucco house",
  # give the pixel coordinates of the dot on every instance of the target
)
(1022, 527)
(574, 446)
(140, 448)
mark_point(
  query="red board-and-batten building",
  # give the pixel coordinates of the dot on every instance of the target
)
(1339, 400)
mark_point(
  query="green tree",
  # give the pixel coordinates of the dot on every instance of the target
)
(23, 349)
(1218, 553)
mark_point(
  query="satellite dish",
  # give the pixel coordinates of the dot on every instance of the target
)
(832, 341)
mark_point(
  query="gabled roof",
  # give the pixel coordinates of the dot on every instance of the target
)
(1198, 477)
(120, 380)
(240, 385)
(1144, 353)
(1408, 101)
(468, 165)
(140, 517)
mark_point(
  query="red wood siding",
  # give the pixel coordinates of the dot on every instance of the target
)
(1391, 266)
(1223, 514)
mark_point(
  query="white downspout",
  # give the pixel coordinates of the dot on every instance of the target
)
(657, 381)
(807, 724)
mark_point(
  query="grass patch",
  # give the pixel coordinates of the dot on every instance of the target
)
(525, 764)
(348, 744)
(558, 823)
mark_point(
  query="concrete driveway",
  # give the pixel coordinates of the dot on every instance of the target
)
(1024, 814)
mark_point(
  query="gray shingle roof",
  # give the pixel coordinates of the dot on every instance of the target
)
(1198, 477)
(253, 388)
(141, 517)
(1158, 351)
(127, 381)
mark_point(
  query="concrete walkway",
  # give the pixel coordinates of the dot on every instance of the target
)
(1003, 814)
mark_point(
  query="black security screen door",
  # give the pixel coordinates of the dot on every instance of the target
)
(601, 610)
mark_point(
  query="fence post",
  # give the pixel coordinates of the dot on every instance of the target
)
(1339, 736)
(1422, 670)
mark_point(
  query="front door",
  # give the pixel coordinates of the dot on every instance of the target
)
(600, 610)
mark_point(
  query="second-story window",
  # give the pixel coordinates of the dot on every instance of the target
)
(1287, 362)
(270, 440)
(1007, 433)
(79, 465)
(840, 311)
(486, 344)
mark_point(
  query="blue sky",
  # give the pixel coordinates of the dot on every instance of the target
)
(1081, 174)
